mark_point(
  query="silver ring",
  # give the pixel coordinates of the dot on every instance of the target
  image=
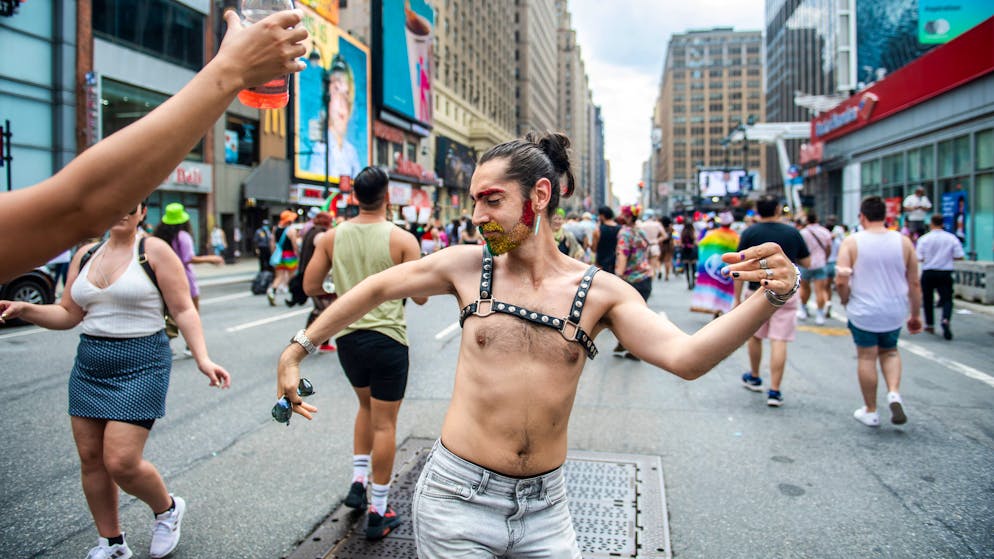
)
(763, 265)
(769, 273)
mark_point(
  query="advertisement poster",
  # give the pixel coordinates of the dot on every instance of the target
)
(955, 213)
(454, 162)
(720, 183)
(892, 216)
(940, 21)
(340, 118)
(407, 36)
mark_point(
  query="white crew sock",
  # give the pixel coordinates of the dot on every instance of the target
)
(380, 493)
(360, 467)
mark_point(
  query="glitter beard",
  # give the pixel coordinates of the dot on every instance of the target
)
(505, 242)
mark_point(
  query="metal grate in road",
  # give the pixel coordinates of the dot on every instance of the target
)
(617, 502)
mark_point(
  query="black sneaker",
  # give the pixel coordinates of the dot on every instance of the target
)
(378, 526)
(357, 496)
(946, 332)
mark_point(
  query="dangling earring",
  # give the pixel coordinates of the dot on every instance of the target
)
(538, 220)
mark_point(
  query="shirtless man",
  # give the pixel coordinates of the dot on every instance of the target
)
(494, 484)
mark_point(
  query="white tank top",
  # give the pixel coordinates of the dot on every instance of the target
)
(879, 283)
(131, 307)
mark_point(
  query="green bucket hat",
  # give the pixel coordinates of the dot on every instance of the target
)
(175, 214)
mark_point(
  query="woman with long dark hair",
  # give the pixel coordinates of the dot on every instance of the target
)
(118, 383)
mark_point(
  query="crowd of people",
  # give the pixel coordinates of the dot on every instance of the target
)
(569, 277)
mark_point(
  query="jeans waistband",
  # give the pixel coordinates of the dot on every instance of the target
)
(488, 481)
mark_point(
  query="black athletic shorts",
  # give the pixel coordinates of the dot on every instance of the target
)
(376, 361)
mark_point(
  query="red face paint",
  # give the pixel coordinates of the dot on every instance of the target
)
(527, 214)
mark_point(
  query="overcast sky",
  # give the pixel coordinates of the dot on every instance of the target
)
(623, 43)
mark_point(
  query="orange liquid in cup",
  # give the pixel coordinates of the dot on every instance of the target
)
(270, 95)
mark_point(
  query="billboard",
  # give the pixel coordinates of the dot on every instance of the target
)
(454, 162)
(331, 105)
(328, 9)
(407, 29)
(940, 21)
(886, 37)
(718, 182)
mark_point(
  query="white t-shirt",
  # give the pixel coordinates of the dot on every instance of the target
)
(915, 201)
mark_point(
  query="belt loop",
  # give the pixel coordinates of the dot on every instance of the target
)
(484, 480)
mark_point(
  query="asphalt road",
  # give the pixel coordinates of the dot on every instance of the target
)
(742, 479)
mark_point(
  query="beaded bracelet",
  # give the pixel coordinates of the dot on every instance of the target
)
(778, 300)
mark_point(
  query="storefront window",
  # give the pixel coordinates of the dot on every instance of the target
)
(946, 158)
(985, 150)
(961, 155)
(914, 165)
(925, 157)
(870, 177)
(122, 104)
(241, 141)
(893, 170)
(984, 221)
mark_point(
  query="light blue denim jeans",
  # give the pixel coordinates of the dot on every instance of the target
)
(461, 511)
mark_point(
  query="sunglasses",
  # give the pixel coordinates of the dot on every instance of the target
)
(284, 409)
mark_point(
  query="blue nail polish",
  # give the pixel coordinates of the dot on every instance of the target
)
(742, 256)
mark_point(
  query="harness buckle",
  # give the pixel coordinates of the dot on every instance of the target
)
(484, 307)
(572, 327)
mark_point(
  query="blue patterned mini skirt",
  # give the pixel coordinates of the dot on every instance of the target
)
(120, 378)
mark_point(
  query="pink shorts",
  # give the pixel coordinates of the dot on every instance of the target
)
(783, 323)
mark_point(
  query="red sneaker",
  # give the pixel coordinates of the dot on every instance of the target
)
(327, 347)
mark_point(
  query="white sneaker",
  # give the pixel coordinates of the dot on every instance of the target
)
(870, 419)
(897, 415)
(165, 530)
(802, 312)
(106, 551)
(820, 317)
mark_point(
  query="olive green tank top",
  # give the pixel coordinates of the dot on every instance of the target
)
(361, 250)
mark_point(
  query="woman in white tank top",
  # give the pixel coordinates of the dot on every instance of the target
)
(119, 381)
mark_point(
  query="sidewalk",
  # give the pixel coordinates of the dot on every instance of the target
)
(242, 270)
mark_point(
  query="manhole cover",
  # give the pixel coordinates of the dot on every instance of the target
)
(617, 502)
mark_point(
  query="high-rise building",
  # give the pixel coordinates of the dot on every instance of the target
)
(574, 106)
(535, 57)
(712, 82)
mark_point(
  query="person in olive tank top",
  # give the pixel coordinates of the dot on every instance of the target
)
(373, 350)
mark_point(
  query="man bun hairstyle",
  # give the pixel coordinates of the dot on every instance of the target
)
(370, 187)
(537, 156)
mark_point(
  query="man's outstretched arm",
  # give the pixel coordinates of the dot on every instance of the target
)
(415, 279)
(658, 341)
(108, 180)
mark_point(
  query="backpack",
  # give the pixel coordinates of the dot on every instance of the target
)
(172, 329)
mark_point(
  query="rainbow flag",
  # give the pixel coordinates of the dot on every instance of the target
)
(714, 293)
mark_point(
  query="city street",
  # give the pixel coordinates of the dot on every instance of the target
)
(741, 479)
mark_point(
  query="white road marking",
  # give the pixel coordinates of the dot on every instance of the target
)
(276, 318)
(920, 351)
(27, 332)
(955, 366)
(224, 298)
(447, 331)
